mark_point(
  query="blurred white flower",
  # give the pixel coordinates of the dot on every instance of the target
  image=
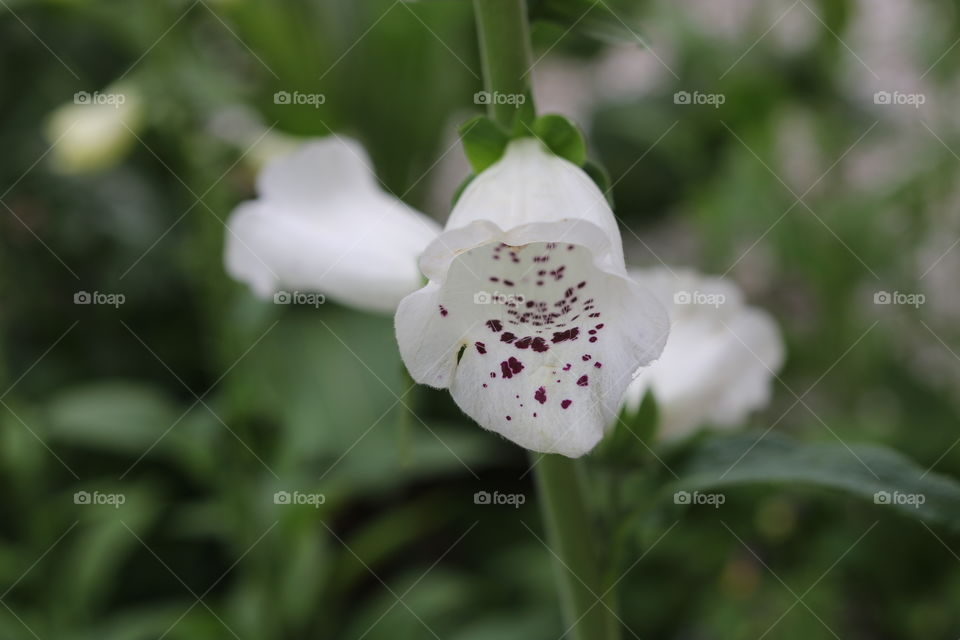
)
(530, 318)
(322, 224)
(241, 127)
(720, 359)
(95, 130)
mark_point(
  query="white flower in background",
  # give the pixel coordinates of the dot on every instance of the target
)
(241, 127)
(322, 224)
(529, 317)
(719, 361)
(95, 130)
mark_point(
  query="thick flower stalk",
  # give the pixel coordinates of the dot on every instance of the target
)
(322, 224)
(720, 359)
(529, 316)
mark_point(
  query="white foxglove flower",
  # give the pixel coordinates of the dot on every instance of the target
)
(720, 359)
(529, 317)
(322, 224)
(95, 130)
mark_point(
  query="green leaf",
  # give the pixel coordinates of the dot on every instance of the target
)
(866, 471)
(600, 20)
(562, 137)
(483, 142)
(117, 415)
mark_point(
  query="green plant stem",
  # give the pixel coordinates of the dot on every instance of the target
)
(505, 53)
(587, 605)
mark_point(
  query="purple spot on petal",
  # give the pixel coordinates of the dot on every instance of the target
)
(566, 403)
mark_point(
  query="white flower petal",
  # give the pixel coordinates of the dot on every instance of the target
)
(530, 184)
(720, 359)
(535, 330)
(322, 224)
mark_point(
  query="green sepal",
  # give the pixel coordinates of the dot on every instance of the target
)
(630, 440)
(601, 178)
(463, 185)
(483, 142)
(562, 137)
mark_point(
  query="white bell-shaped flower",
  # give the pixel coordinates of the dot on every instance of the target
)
(322, 224)
(529, 317)
(721, 357)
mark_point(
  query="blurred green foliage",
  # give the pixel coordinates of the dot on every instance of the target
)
(197, 403)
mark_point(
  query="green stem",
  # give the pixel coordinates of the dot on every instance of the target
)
(561, 487)
(505, 54)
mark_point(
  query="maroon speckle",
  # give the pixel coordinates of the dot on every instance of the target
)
(593, 339)
(586, 357)
(597, 365)
(582, 285)
(582, 382)
(443, 312)
(509, 418)
(539, 345)
(566, 403)
(569, 334)
(534, 414)
(510, 366)
(540, 395)
(600, 326)
(507, 337)
(523, 343)
(494, 325)
(494, 279)
(566, 367)
(481, 348)
(484, 385)
(493, 375)
(509, 283)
